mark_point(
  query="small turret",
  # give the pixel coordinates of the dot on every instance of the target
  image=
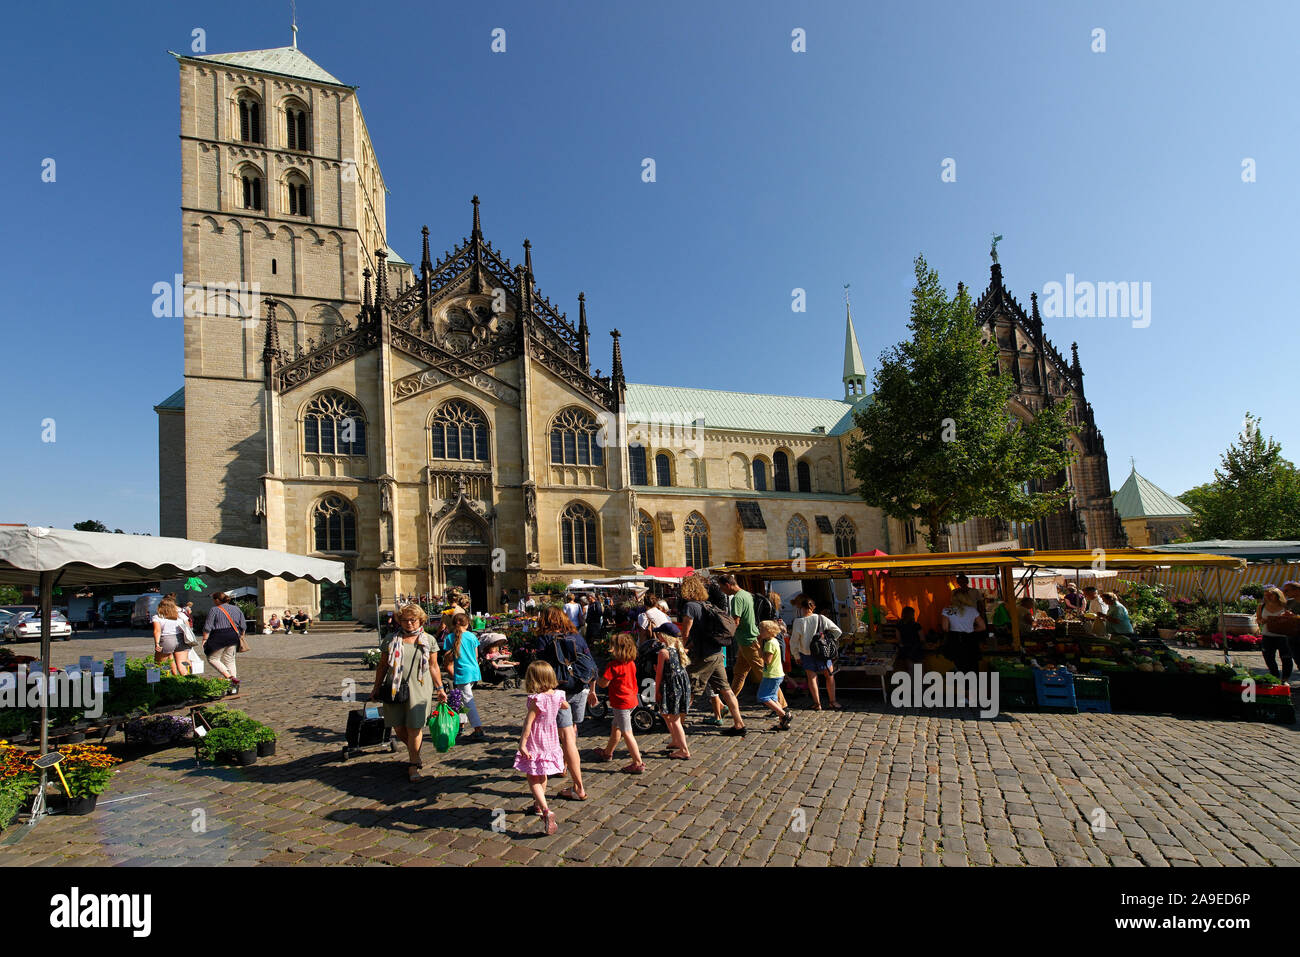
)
(855, 373)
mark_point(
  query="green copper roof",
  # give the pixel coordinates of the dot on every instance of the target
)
(853, 367)
(174, 401)
(286, 61)
(1139, 498)
(394, 258)
(743, 411)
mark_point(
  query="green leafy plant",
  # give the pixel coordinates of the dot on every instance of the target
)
(263, 734)
(88, 768)
(222, 741)
(554, 588)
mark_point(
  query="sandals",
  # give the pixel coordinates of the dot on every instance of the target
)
(600, 754)
(634, 768)
(571, 795)
(531, 809)
(413, 772)
(548, 818)
(678, 756)
(836, 706)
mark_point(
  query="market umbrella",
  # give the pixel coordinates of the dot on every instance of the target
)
(50, 557)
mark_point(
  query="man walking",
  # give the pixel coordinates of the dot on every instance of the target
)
(749, 659)
(707, 669)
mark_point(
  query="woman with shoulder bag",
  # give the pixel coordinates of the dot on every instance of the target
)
(406, 681)
(223, 636)
(808, 626)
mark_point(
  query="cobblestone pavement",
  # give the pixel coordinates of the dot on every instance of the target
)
(863, 786)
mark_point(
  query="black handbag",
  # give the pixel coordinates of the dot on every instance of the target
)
(824, 646)
(403, 693)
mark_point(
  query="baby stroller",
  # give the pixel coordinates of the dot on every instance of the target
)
(495, 671)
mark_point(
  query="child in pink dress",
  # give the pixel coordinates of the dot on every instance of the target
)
(539, 744)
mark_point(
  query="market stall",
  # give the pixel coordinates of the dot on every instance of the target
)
(48, 558)
(1070, 664)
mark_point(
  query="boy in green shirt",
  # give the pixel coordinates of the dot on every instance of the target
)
(773, 674)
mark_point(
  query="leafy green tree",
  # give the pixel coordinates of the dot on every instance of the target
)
(91, 525)
(1255, 494)
(9, 595)
(939, 444)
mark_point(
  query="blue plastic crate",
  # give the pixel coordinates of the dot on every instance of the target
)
(1054, 688)
(1094, 705)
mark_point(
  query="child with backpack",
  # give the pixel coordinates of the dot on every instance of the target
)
(769, 687)
(620, 678)
(673, 691)
(539, 752)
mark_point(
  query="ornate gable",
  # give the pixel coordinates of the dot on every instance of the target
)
(466, 314)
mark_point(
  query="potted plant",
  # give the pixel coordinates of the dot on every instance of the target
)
(265, 738)
(233, 744)
(87, 768)
(17, 778)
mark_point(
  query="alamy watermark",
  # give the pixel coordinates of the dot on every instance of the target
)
(80, 690)
(1083, 299)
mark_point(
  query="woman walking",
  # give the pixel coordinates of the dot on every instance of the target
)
(962, 620)
(222, 632)
(409, 675)
(807, 625)
(169, 636)
(673, 690)
(461, 657)
(1275, 643)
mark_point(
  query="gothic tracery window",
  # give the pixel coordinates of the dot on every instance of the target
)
(459, 431)
(846, 537)
(645, 540)
(575, 439)
(578, 544)
(333, 425)
(335, 525)
(696, 533)
(796, 537)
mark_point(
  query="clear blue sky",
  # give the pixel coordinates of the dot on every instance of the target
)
(775, 170)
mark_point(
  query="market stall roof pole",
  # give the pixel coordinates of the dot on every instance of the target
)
(1009, 596)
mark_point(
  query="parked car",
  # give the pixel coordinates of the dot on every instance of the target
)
(27, 627)
(5, 618)
(146, 606)
(117, 614)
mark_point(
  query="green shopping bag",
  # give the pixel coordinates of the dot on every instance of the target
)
(443, 727)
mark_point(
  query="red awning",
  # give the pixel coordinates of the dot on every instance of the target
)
(669, 572)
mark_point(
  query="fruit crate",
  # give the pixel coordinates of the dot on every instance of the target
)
(1092, 687)
(1054, 690)
(1273, 703)
(1016, 692)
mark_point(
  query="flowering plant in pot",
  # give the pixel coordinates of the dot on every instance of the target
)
(17, 778)
(151, 730)
(88, 769)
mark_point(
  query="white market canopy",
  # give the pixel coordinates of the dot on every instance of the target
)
(99, 558)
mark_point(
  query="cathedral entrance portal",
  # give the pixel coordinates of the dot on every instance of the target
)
(464, 557)
(336, 600)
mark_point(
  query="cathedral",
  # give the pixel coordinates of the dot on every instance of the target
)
(441, 423)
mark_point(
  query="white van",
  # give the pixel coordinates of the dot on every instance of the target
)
(146, 606)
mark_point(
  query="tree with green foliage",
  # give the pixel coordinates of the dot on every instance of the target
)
(1255, 494)
(90, 525)
(939, 443)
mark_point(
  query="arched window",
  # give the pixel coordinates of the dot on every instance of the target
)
(645, 540)
(459, 431)
(295, 116)
(250, 119)
(846, 537)
(296, 186)
(578, 535)
(781, 472)
(575, 439)
(760, 475)
(696, 532)
(804, 475)
(464, 531)
(796, 537)
(636, 465)
(663, 469)
(333, 425)
(251, 181)
(336, 525)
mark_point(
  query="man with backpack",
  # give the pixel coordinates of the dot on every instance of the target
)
(709, 629)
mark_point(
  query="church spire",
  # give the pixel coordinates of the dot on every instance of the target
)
(616, 377)
(855, 373)
(426, 263)
(476, 251)
(584, 335)
(477, 232)
(365, 296)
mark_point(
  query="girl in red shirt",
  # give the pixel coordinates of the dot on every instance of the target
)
(620, 679)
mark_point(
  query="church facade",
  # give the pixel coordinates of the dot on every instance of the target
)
(442, 423)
